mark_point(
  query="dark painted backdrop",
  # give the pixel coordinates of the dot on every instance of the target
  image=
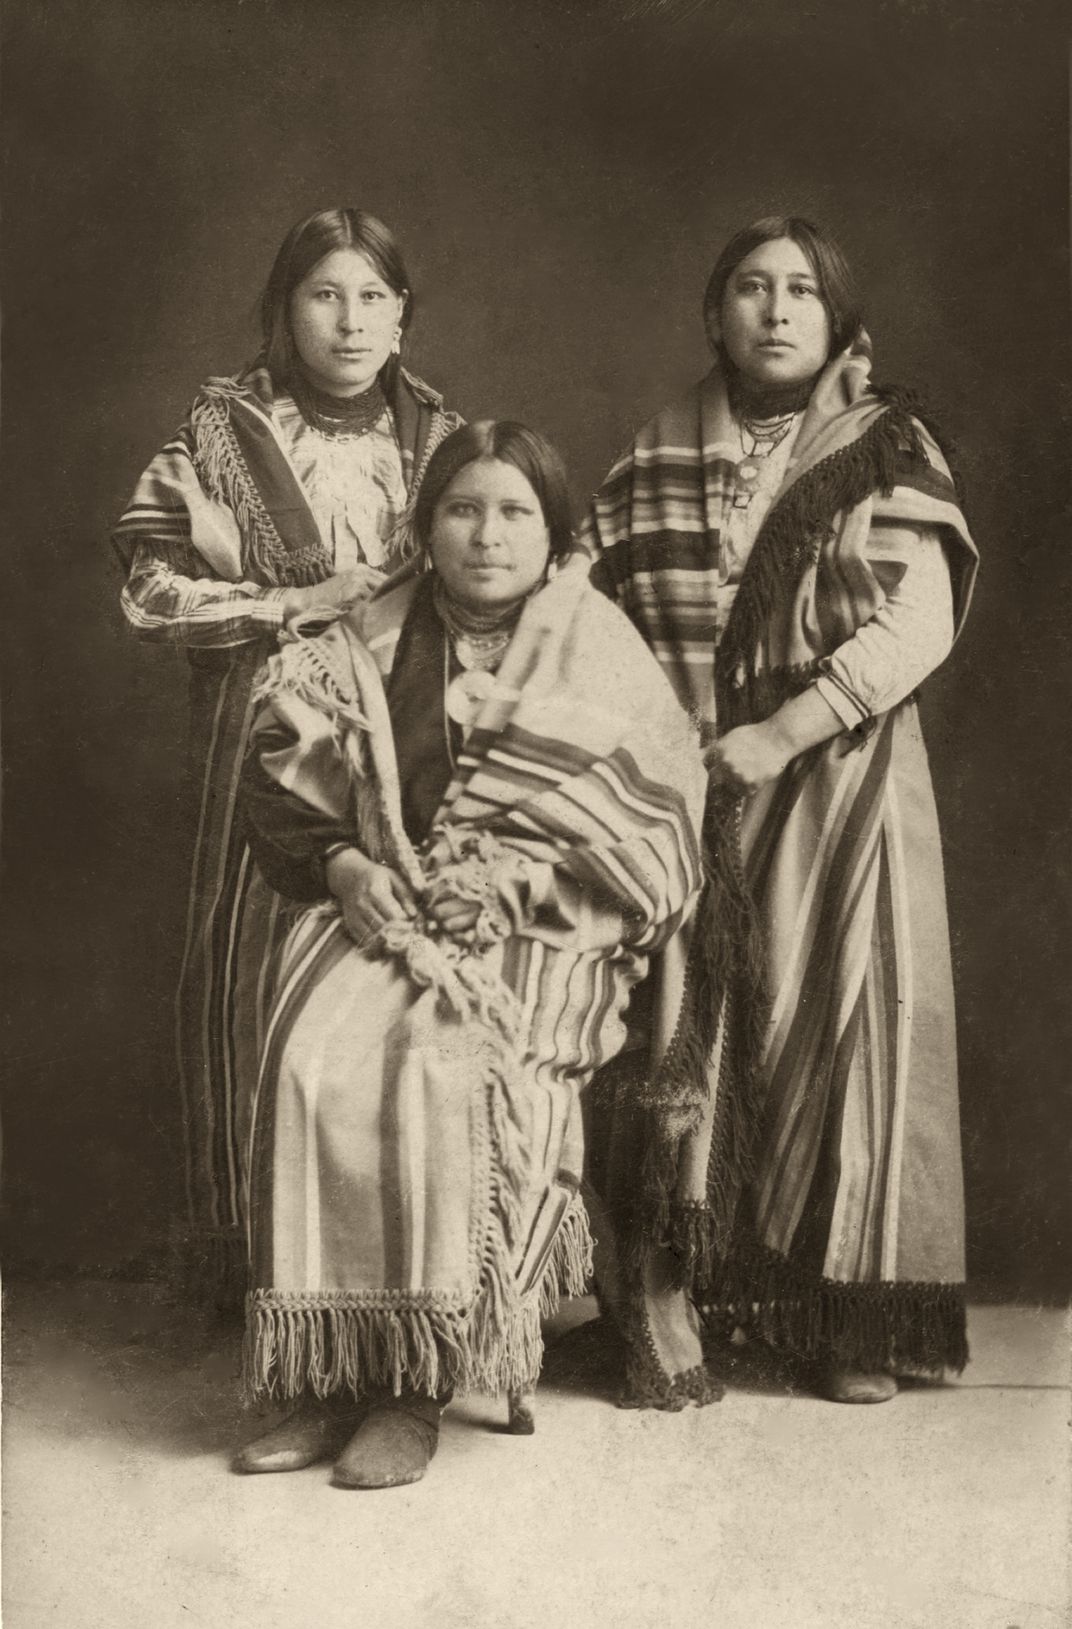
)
(561, 176)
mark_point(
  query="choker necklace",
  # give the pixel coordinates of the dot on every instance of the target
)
(341, 418)
(478, 639)
(751, 401)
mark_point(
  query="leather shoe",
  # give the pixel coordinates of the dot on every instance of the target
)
(852, 1386)
(314, 1431)
(393, 1444)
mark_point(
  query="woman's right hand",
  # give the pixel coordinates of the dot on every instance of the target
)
(369, 895)
(336, 593)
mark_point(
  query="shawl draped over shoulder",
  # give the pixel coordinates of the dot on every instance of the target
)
(817, 1191)
(223, 514)
(416, 1145)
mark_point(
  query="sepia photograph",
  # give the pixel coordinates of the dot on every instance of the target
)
(535, 874)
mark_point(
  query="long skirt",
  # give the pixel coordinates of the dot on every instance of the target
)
(234, 926)
(848, 1239)
(415, 1171)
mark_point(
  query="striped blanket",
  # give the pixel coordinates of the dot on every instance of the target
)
(818, 1193)
(417, 1140)
(221, 503)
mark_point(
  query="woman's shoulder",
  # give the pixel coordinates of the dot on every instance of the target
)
(251, 385)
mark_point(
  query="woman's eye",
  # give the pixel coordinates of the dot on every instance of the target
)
(324, 294)
(372, 294)
(804, 288)
(515, 511)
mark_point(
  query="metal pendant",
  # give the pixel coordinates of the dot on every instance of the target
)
(467, 693)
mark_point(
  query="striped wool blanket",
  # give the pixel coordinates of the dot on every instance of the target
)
(818, 1195)
(222, 503)
(417, 1140)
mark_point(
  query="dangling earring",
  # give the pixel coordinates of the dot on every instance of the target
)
(396, 343)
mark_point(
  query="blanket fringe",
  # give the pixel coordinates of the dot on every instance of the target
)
(569, 1271)
(865, 1326)
(225, 476)
(338, 1343)
(789, 542)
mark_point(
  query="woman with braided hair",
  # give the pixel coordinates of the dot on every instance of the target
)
(789, 540)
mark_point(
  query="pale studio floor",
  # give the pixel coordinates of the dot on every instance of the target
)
(946, 1509)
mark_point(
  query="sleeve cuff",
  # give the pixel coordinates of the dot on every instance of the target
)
(841, 700)
(270, 608)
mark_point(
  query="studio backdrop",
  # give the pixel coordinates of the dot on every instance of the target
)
(561, 177)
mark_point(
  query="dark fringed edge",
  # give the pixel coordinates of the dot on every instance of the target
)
(337, 1343)
(867, 1327)
(790, 540)
(647, 1383)
(724, 978)
(726, 970)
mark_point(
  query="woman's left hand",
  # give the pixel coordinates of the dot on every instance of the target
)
(747, 758)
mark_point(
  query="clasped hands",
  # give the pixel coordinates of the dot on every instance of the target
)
(371, 895)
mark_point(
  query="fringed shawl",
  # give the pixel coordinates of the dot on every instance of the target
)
(573, 819)
(861, 463)
(245, 511)
(803, 938)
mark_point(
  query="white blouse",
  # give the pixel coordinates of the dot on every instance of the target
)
(354, 484)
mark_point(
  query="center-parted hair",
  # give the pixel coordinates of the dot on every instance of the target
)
(304, 247)
(837, 286)
(511, 443)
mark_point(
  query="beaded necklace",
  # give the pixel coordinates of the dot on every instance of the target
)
(339, 418)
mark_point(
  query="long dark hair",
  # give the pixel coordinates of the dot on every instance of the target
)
(304, 246)
(837, 287)
(512, 443)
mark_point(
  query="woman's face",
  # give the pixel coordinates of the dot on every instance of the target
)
(343, 318)
(489, 541)
(773, 323)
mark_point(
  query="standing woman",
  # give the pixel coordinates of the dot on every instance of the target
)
(287, 489)
(788, 539)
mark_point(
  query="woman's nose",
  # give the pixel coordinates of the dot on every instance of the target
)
(777, 307)
(485, 531)
(349, 317)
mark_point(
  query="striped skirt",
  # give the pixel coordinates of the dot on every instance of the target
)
(234, 926)
(415, 1182)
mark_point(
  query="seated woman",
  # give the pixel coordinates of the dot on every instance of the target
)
(789, 541)
(488, 798)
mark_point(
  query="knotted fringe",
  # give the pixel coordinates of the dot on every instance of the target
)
(338, 1342)
(647, 1382)
(303, 669)
(868, 1327)
(724, 986)
(725, 978)
(790, 541)
(225, 476)
(569, 1270)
